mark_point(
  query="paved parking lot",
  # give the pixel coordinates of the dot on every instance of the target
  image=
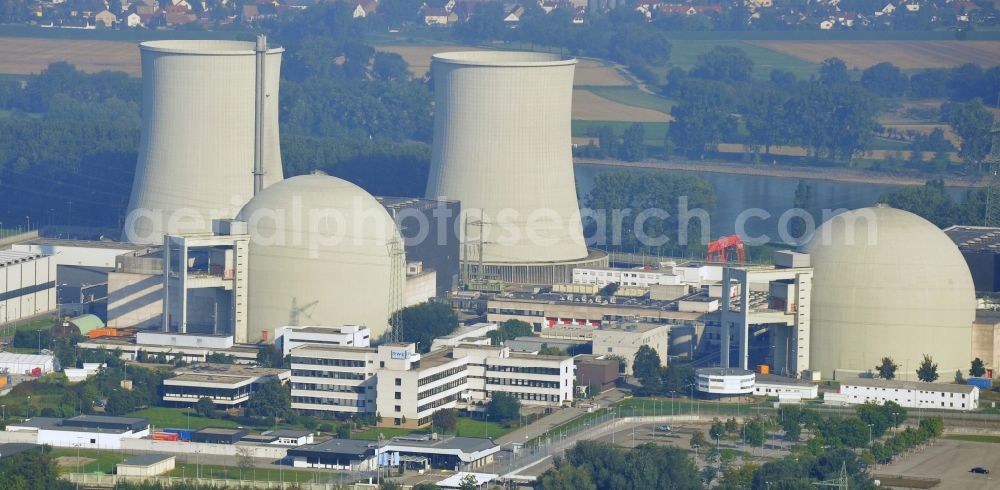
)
(950, 460)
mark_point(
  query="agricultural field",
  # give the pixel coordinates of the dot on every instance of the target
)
(685, 53)
(589, 106)
(25, 55)
(904, 54)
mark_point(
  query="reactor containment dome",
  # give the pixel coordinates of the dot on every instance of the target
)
(322, 252)
(196, 149)
(502, 147)
(888, 283)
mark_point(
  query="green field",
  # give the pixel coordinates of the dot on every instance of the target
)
(975, 438)
(655, 131)
(467, 427)
(179, 418)
(632, 96)
(372, 433)
(259, 474)
(103, 461)
(685, 54)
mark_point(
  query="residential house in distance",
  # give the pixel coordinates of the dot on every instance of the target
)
(105, 18)
(439, 17)
(363, 8)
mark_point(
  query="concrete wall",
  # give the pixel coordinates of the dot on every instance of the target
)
(180, 447)
(28, 274)
(135, 300)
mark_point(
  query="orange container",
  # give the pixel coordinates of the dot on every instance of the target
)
(165, 436)
(763, 369)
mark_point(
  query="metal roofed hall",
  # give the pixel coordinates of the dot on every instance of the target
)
(465, 444)
(975, 238)
(10, 257)
(910, 385)
(338, 446)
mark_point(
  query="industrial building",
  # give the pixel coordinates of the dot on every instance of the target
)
(324, 252)
(784, 388)
(135, 290)
(546, 311)
(14, 363)
(27, 285)
(289, 337)
(227, 385)
(908, 394)
(430, 235)
(216, 435)
(333, 379)
(502, 147)
(888, 283)
(624, 340)
(146, 465)
(205, 281)
(986, 340)
(476, 333)
(775, 301)
(83, 431)
(197, 146)
(187, 347)
(596, 374)
(83, 253)
(980, 246)
(724, 382)
(418, 451)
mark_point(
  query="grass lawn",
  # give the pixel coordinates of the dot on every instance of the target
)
(468, 427)
(655, 131)
(634, 97)
(684, 53)
(103, 461)
(233, 473)
(664, 406)
(975, 438)
(372, 433)
(177, 418)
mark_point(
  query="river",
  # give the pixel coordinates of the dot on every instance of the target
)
(736, 193)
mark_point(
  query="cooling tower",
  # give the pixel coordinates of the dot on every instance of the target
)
(196, 150)
(502, 147)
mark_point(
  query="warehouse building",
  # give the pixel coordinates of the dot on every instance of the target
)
(216, 435)
(146, 465)
(333, 379)
(84, 431)
(184, 347)
(227, 385)
(135, 290)
(27, 285)
(415, 451)
(336, 454)
(35, 364)
(625, 339)
(908, 394)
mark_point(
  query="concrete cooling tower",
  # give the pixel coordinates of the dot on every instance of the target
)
(502, 147)
(888, 283)
(196, 151)
(322, 252)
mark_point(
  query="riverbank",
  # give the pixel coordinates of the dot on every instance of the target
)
(790, 172)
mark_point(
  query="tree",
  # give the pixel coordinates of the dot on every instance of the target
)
(717, 430)
(503, 407)
(698, 439)
(120, 402)
(972, 122)
(444, 420)
(833, 71)
(703, 118)
(633, 145)
(887, 369)
(509, 330)
(423, 323)
(34, 469)
(927, 371)
(565, 476)
(724, 63)
(205, 407)
(344, 431)
(270, 400)
(977, 369)
(390, 66)
(390, 485)
(244, 459)
(469, 482)
(646, 368)
(755, 433)
(884, 79)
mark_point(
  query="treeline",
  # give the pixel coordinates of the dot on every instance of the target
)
(932, 203)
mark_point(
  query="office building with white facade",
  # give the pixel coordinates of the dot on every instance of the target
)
(625, 339)
(412, 386)
(533, 379)
(289, 337)
(908, 394)
(333, 379)
(227, 385)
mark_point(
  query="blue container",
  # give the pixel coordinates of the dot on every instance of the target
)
(183, 434)
(982, 383)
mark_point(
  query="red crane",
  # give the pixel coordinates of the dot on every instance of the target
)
(719, 250)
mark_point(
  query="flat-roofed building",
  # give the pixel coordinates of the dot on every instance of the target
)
(531, 378)
(908, 394)
(217, 435)
(474, 333)
(336, 454)
(625, 339)
(547, 311)
(784, 388)
(227, 385)
(86, 431)
(290, 337)
(412, 386)
(27, 285)
(336, 379)
(146, 465)
(129, 349)
(596, 374)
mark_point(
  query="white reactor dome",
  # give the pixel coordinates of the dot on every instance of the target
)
(322, 252)
(196, 149)
(888, 283)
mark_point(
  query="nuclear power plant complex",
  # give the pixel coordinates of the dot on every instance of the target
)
(238, 276)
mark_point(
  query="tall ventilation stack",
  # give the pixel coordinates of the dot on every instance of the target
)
(502, 147)
(196, 151)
